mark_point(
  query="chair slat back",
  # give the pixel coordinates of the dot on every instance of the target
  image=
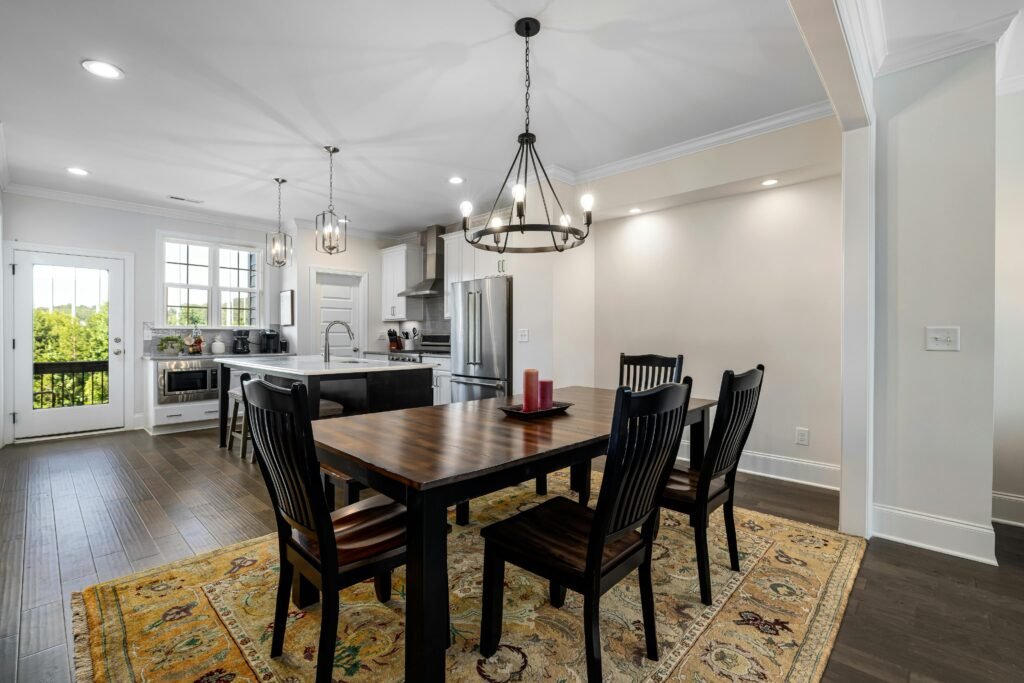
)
(281, 432)
(647, 428)
(734, 416)
(647, 371)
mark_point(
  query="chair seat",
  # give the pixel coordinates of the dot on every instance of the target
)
(682, 487)
(557, 533)
(362, 530)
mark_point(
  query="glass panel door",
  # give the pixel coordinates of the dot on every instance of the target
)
(69, 365)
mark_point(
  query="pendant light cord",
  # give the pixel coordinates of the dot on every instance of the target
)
(330, 192)
(278, 205)
(527, 84)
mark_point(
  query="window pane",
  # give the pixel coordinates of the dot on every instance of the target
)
(174, 273)
(228, 277)
(237, 308)
(175, 295)
(174, 253)
(237, 268)
(199, 256)
(198, 275)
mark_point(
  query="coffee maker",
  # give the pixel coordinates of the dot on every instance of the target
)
(270, 341)
(240, 341)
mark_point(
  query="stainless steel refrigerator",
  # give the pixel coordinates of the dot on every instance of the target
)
(481, 338)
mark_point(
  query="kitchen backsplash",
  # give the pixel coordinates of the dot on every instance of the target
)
(433, 321)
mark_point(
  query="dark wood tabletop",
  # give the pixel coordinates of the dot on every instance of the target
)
(434, 446)
(435, 457)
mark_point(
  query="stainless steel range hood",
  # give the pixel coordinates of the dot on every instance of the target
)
(433, 280)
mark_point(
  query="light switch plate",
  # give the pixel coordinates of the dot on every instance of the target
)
(524, 334)
(803, 436)
(942, 339)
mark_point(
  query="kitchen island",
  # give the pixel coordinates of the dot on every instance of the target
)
(361, 385)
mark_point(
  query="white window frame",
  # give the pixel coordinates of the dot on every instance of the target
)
(212, 286)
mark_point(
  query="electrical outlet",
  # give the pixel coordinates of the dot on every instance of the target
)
(803, 436)
(524, 335)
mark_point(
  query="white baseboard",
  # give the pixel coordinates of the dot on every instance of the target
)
(933, 532)
(1007, 508)
(783, 467)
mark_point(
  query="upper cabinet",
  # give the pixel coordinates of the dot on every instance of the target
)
(463, 261)
(401, 266)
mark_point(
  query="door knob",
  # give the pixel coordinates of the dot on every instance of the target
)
(118, 352)
(117, 340)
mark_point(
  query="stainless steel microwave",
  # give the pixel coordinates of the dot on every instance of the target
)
(179, 381)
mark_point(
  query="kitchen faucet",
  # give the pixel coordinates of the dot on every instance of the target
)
(327, 338)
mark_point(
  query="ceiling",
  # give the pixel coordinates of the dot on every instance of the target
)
(220, 97)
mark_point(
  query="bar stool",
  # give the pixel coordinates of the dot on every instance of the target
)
(235, 396)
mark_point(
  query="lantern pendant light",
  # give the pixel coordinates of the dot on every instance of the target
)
(494, 235)
(331, 231)
(279, 244)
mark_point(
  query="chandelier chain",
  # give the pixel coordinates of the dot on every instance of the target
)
(278, 206)
(527, 84)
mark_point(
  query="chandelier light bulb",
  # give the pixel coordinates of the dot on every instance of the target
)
(518, 193)
(587, 202)
(496, 222)
(466, 208)
(565, 221)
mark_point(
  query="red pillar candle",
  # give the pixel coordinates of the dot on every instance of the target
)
(547, 389)
(531, 390)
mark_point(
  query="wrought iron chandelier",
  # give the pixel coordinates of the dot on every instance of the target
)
(495, 233)
(279, 244)
(331, 231)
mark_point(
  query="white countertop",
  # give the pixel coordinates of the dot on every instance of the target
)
(306, 366)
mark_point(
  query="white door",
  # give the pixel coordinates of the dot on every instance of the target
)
(68, 344)
(336, 297)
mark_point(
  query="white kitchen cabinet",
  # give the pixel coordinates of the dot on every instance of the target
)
(459, 264)
(401, 266)
(491, 263)
(442, 388)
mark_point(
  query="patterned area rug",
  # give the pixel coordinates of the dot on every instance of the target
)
(208, 619)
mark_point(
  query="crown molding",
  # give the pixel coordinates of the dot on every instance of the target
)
(945, 45)
(768, 124)
(5, 172)
(223, 220)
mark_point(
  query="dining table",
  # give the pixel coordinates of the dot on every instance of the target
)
(431, 458)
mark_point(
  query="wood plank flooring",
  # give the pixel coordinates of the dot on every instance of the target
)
(78, 511)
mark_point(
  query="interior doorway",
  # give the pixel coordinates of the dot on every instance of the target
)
(338, 295)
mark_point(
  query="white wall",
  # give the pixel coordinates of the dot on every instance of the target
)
(44, 221)
(731, 283)
(1008, 485)
(935, 264)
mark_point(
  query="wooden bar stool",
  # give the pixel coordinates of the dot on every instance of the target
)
(235, 396)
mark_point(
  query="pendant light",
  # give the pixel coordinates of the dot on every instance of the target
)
(331, 231)
(494, 236)
(279, 244)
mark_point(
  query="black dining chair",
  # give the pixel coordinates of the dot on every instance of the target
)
(590, 551)
(639, 373)
(646, 371)
(332, 549)
(698, 492)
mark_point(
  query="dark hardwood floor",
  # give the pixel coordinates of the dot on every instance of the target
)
(77, 511)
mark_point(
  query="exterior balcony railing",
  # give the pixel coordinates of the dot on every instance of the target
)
(70, 383)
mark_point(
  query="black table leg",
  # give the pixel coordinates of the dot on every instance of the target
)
(699, 438)
(462, 513)
(223, 384)
(426, 609)
(304, 593)
(579, 480)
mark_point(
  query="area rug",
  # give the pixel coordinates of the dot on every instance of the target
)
(208, 619)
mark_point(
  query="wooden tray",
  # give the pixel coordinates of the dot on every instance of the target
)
(516, 410)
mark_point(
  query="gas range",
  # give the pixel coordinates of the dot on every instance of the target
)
(430, 344)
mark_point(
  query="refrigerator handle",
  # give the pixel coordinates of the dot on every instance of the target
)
(468, 329)
(479, 326)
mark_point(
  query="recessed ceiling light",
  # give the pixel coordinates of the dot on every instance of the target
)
(769, 182)
(74, 170)
(103, 69)
(456, 180)
(636, 210)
